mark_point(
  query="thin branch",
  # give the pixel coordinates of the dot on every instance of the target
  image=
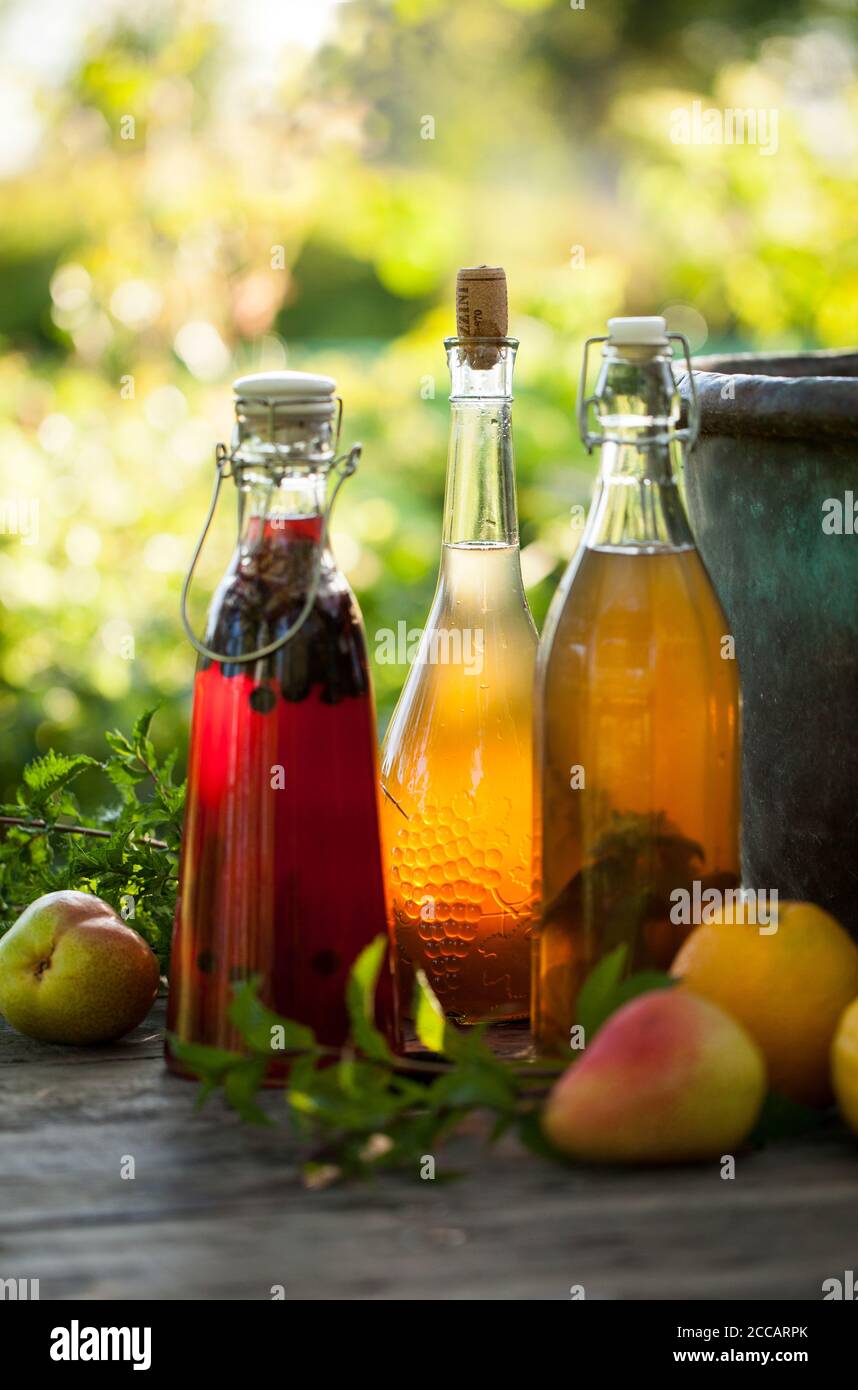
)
(44, 827)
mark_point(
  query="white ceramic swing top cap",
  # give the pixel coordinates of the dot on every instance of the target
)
(640, 332)
(299, 393)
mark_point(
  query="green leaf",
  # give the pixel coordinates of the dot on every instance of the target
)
(263, 1030)
(430, 1024)
(360, 999)
(47, 775)
(438, 1035)
(140, 731)
(595, 998)
(604, 990)
(301, 1076)
(37, 860)
(782, 1118)
(202, 1058)
(642, 982)
(120, 743)
(476, 1085)
(532, 1136)
(500, 1127)
(468, 1045)
(123, 776)
(342, 1100)
(209, 1064)
(241, 1084)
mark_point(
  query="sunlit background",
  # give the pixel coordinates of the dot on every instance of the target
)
(195, 190)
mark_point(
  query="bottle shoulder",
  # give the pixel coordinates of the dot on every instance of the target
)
(261, 602)
(613, 593)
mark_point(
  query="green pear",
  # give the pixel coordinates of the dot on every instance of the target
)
(71, 971)
(669, 1078)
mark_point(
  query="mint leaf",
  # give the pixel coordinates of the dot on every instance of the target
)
(262, 1029)
(440, 1036)
(596, 996)
(240, 1086)
(604, 990)
(210, 1064)
(360, 999)
(782, 1118)
(467, 1045)
(477, 1085)
(533, 1137)
(213, 1060)
(430, 1024)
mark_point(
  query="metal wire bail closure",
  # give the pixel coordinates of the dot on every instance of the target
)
(341, 468)
(687, 435)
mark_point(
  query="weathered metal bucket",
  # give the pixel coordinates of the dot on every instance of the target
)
(770, 489)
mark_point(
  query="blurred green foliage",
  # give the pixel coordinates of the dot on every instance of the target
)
(187, 197)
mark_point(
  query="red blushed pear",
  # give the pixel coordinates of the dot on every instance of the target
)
(669, 1078)
(71, 971)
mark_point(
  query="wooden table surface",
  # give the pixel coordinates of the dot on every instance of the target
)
(216, 1210)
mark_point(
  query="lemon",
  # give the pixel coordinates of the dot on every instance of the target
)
(789, 988)
(844, 1065)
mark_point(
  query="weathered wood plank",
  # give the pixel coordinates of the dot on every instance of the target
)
(216, 1210)
(486, 1238)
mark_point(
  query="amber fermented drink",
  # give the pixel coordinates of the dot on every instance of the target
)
(457, 759)
(637, 709)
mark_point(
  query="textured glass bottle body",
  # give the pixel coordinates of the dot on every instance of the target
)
(281, 874)
(637, 727)
(457, 759)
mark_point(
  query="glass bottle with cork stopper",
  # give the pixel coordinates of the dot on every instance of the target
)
(281, 874)
(456, 761)
(637, 699)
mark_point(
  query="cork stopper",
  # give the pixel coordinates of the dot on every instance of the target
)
(481, 310)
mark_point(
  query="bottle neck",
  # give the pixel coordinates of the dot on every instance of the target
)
(638, 503)
(480, 504)
(282, 452)
(275, 511)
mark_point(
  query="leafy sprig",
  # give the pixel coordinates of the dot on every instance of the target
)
(126, 852)
(362, 1109)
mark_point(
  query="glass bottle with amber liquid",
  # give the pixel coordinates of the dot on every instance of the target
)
(456, 762)
(637, 700)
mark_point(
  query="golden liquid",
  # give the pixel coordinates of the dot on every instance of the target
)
(637, 694)
(457, 810)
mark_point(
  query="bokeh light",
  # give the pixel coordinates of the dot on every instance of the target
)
(194, 192)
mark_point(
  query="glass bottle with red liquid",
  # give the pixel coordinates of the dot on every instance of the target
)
(281, 872)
